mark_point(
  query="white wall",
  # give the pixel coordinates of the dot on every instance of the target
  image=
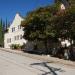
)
(16, 22)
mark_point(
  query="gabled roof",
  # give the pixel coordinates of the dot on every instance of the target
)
(17, 20)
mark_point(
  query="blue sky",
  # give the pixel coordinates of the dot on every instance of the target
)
(8, 8)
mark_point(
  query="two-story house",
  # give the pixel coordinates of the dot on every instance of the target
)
(15, 33)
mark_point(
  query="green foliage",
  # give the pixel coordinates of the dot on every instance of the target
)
(38, 24)
(72, 3)
(1, 33)
(15, 46)
(45, 24)
(65, 24)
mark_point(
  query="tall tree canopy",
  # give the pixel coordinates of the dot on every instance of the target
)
(3, 27)
(38, 23)
(48, 23)
(1, 33)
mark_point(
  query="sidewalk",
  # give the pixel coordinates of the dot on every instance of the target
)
(42, 57)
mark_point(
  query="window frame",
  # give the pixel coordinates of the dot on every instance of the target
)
(13, 29)
(8, 40)
(19, 27)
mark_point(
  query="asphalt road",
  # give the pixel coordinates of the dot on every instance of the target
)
(15, 64)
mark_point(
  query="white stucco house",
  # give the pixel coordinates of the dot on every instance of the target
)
(15, 33)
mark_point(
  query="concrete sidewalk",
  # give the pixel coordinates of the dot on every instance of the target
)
(42, 57)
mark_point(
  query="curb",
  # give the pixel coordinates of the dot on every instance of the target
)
(42, 57)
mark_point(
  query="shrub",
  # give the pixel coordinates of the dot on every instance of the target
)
(15, 46)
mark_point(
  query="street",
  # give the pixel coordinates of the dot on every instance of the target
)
(15, 64)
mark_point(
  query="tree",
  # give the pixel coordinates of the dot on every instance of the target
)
(72, 3)
(1, 33)
(6, 25)
(38, 25)
(49, 23)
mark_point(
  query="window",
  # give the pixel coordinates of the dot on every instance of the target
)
(16, 37)
(9, 40)
(19, 27)
(21, 36)
(13, 29)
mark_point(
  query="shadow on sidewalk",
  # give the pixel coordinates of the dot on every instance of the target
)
(52, 70)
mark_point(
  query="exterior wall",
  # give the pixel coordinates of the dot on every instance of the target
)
(14, 37)
(13, 41)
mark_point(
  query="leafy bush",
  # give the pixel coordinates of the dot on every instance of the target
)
(15, 46)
